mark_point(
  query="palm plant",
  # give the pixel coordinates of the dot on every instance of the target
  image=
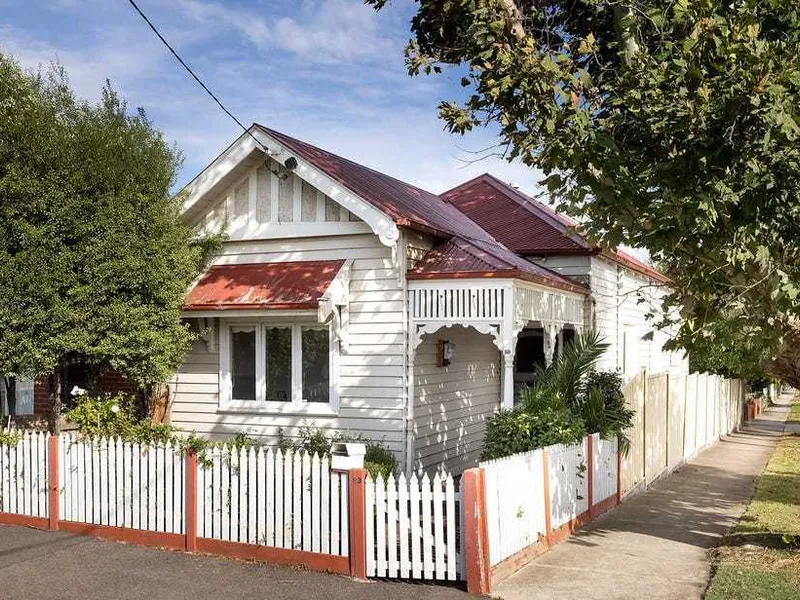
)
(572, 383)
(560, 384)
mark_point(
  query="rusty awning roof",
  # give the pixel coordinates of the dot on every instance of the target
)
(275, 286)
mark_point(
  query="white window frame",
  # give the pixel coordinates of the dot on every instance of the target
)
(297, 405)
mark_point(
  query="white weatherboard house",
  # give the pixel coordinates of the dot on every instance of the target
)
(351, 300)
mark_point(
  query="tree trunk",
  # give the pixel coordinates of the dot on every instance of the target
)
(154, 402)
(11, 394)
(786, 365)
(54, 383)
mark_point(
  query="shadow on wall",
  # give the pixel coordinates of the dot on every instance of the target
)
(452, 402)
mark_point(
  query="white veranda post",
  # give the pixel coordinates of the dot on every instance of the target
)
(551, 334)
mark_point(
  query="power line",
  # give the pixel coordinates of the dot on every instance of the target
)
(194, 76)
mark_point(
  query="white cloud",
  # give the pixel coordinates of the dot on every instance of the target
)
(321, 32)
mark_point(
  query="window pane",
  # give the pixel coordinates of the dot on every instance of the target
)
(316, 378)
(243, 365)
(279, 364)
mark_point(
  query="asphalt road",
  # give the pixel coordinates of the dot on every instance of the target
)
(42, 564)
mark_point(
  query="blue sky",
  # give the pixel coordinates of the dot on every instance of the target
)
(330, 72)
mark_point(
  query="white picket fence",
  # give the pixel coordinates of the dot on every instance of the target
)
(290, 500)
(413, 528)
(604, 477)
(515, 491)
(515, 506)
(569, 492)
(111, 482)
(23, 475)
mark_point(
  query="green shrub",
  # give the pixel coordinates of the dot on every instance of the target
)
(312, 440)
(379, 460)
(566, 400)
(107, 415)
(9, 438)
(603, 408)
(512, 431)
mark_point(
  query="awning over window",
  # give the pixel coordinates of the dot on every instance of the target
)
(275, 286)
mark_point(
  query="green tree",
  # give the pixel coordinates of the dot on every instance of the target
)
(94, 258)
(672, 126)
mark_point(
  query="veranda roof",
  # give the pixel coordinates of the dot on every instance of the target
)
(457, 258)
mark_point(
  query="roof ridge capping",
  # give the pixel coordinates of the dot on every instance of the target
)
(567, 227)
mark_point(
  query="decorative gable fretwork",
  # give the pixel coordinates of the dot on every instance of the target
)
(271, 201)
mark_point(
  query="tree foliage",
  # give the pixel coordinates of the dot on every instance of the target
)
(667, 125)
(94, 258)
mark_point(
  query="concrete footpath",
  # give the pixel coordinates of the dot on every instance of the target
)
(656, 544)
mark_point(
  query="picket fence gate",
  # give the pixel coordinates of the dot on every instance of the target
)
(412, 528)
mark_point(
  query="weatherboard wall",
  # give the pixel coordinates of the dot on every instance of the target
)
(370, 373)
(453, 402)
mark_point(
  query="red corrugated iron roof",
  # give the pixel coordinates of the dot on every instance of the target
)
(458, 258)
(408, 205)
(505, 213)
(284, 285)
(530, 227)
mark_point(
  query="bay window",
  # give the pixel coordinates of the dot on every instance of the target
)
(281, 367)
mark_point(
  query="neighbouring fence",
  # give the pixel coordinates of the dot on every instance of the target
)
(23, 473)
(413, 528)
(676, 417)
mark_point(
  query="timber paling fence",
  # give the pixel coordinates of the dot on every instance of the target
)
(293, 508)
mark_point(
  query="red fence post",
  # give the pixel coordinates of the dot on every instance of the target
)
(590, 477)
(357, 497)
(548, 527)
(476, 534)
(190, 510)
(52, 481)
